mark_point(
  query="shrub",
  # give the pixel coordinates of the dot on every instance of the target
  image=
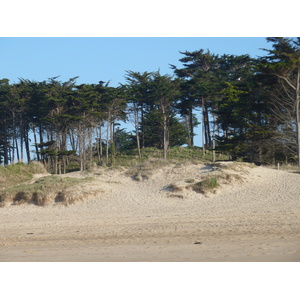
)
(207, 185)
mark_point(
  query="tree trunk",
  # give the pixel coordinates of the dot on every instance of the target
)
(21, 140)
(35, 143)
(112, 142)
(165, 139)
(27, 145)
(17, 149)
(55, 164)
(57, 152)
(99, 148)
(107, 140)
(297, 107)
(83, 148)
(138, 144)
(80, 146)
(5, 144)
(214, 139)
(63, 144)
(14, 138)
(188, 128)
(165, 133)
(136, 125)
(207, 128)
(41, 141)
(203, 127)
(143, 134)
(72, 140)
(191, 128)
(90, 137)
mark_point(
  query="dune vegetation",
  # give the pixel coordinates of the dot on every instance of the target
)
(22, 183)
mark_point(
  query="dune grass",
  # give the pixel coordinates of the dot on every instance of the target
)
(19, 173)
(174, 153)
(49, 189)
(204, 186)
(220, 175)
(146, 169)
(207, 185)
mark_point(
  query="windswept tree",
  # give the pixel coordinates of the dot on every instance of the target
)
(231, 116)
(186, 107)
(204, 75)
(164, 92)
(283, 63)
(137, 94)
(83, 110)
(57, 121)
(113, 103)
(199, 72)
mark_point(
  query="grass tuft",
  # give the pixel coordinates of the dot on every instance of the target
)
(146, 169)
(207, 185)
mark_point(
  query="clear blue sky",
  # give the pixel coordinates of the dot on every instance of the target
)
(107, 58)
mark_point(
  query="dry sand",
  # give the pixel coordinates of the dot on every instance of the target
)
(254, 220)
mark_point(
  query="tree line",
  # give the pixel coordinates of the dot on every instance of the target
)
(249, 109)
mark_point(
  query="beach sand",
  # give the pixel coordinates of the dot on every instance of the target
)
(256, 219)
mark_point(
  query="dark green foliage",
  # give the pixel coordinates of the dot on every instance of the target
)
(124, 141)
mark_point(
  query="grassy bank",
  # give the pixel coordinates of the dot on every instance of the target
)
(218, 176)
(48, 190)
(16, 186)
(19, 173)
(175, 153)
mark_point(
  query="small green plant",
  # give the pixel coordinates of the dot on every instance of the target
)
(206, 185)
(190, 180)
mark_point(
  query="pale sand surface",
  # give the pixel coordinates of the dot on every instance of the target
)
(257, 220)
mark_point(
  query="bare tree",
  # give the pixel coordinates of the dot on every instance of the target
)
(283, 63)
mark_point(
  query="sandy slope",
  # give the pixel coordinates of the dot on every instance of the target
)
(257, 220)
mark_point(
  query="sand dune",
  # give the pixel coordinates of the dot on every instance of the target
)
(255, 217)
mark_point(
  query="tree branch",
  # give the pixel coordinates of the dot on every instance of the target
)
(286, 80)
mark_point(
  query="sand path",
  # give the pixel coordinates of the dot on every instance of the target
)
(257, 220)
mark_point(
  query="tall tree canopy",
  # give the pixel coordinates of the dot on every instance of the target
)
(250, 110)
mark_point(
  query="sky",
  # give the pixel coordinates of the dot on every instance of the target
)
(96, 59)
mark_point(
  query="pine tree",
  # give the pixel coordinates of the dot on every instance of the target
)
(137, 94)
(164, 93)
